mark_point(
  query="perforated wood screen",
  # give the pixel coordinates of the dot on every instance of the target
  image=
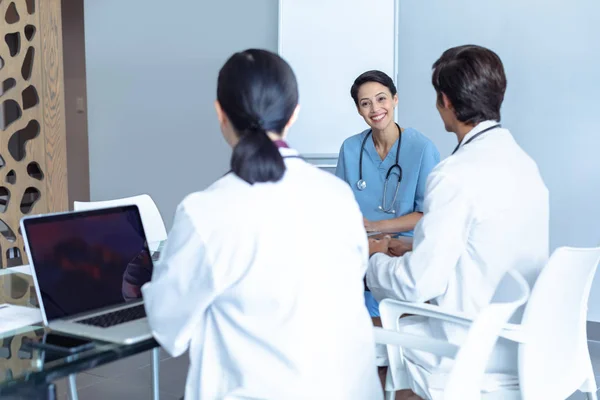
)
(33, 175)
(32, 137)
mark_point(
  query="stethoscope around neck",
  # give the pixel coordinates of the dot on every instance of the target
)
(362, 184)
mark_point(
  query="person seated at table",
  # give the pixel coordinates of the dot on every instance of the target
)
(261, 279)
(485, 212)
(385, 165)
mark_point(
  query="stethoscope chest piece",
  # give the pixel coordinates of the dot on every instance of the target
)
(361, 184)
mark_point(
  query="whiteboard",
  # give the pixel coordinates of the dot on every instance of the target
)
(329, 43)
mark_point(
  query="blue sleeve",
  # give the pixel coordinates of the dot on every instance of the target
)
(340, 169)
(430, 158)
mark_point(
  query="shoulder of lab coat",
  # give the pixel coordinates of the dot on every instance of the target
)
(185, 281)
(439, 240)
(182, 285)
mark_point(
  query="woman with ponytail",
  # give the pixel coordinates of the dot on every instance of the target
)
(262, 275)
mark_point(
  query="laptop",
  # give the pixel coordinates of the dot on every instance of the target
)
(88, 268)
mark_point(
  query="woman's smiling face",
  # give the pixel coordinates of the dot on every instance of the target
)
(376, 105)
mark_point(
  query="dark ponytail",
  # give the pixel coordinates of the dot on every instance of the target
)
(258, 92)
(256, 158)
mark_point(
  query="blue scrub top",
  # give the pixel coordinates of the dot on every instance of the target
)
(418, 156)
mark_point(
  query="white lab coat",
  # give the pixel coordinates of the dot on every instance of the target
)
(264, 285)
(486, 211)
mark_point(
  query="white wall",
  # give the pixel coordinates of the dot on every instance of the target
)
(151, 73)
(152, 67)
(551, 53)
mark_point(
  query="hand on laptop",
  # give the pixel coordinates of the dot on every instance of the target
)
(138, 272)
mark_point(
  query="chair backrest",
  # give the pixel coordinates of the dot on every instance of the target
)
(554, 362)
(466, 377)
(154, 225)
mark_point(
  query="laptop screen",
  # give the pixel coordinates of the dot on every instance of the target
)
(86, 261)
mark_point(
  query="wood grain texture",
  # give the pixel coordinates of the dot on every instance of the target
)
(14, 364)
(36, 93)
(53, 104)
(34, 149)
(16, 289)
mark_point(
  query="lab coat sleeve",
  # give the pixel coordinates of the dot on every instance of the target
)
(354, 232)
(363, 240)
(364, 254)
(181, 289)
(430, 158)
(340, 169)
(440, 238)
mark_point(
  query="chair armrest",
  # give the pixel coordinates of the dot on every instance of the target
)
(399, 308)
(423, 343)
(513, 332)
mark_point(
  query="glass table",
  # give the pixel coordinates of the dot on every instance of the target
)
(28, 372)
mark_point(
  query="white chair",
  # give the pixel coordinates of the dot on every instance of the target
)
(464, 381)
(554, 360)
(154, 225)
(155, 230)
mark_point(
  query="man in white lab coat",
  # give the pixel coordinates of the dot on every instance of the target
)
(486, 212)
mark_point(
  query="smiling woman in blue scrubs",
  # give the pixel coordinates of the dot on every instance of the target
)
(366, 159)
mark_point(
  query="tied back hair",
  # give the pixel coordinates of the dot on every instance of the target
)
(258, 92)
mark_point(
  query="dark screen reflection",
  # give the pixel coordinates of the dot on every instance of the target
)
(89, 261)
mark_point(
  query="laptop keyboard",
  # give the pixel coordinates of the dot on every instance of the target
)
(116, 317)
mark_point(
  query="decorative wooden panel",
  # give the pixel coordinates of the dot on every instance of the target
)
(32, 138)
(53, 103)
(33, 169)
(20, 358)
(16, 289)
(14, 360)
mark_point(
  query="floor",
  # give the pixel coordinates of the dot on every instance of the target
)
(131, 379)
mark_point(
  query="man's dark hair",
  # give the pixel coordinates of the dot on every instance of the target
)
(472, 77)
(372, 76)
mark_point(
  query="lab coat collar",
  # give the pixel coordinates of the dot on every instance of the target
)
(287, 152)
(480, 127)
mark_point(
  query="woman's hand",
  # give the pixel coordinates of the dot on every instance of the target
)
(370, 226)
(397, 247)
(379, 245)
